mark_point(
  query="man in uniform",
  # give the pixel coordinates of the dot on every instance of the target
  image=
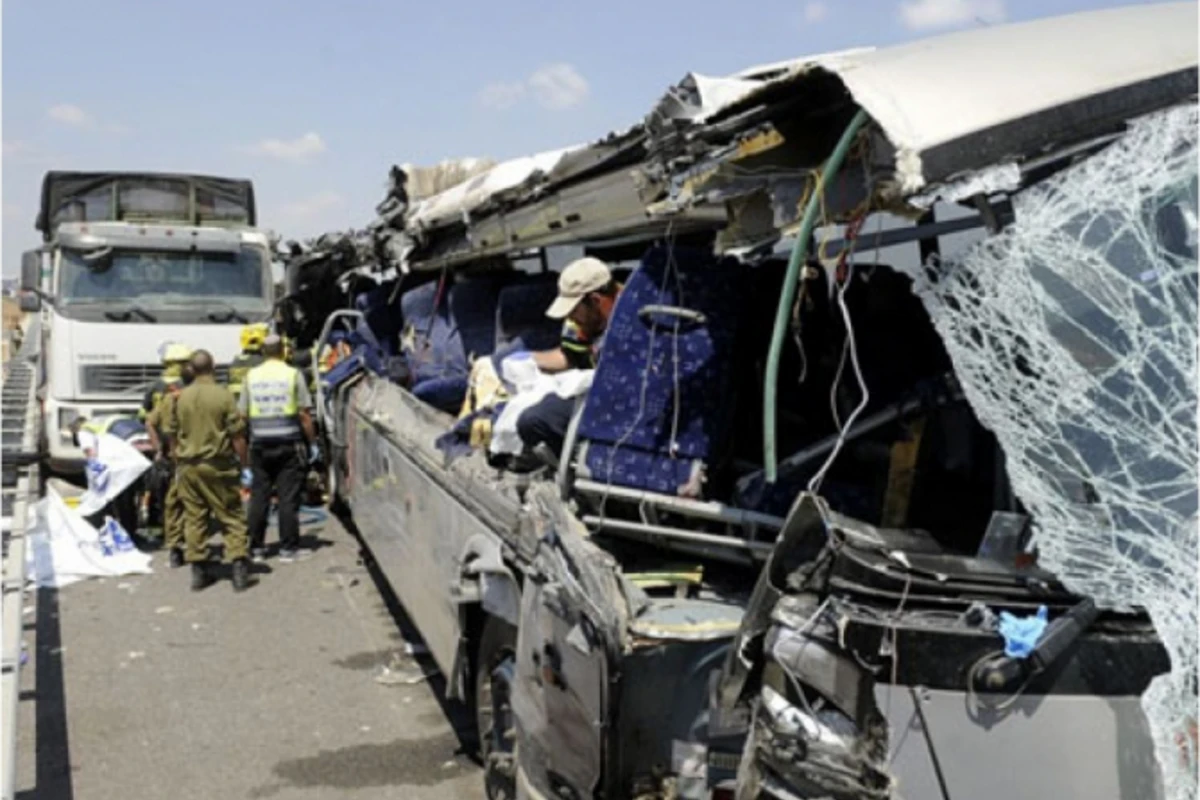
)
(276, 401)
(174, 356)
(165, 464)
(210, 446)
(87, 433)
(250, 357)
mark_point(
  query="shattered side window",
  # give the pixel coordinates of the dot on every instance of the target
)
(1074, 335)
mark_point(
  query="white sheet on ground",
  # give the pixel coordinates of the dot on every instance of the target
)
(64, 548)
(530, 385)
(117, 464)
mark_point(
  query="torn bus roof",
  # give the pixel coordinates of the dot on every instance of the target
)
(960, 102)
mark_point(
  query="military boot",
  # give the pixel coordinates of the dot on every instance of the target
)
(241, 575)
(200, 576)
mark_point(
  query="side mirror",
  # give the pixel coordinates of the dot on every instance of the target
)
(30, 303)
(31, 270)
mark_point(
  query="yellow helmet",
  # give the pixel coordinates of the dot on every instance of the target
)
(175, 353)
(253, 336)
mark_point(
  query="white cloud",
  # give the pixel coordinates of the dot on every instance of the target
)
(815, 11)
(71, 115)
(298, 149)
(313, 205)
(501, 96)
(553, 86)
(558, 86)
(925, 14)
(75, 117)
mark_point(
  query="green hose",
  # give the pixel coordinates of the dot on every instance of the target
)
(790, 282)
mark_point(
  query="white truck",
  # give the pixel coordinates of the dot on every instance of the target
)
(130, 261)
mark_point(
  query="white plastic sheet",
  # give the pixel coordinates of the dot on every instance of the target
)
(65, 549)
(117, 465)
(531, 385)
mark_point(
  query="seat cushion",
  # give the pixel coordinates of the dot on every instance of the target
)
(521, 314)
(430, 342)
(663, 384)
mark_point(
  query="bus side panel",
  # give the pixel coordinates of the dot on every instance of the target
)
(416, 531)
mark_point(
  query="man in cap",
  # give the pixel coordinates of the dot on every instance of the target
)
(276, 401)
(174, 357)
(210, 451)
(587, 294)
(164, 469)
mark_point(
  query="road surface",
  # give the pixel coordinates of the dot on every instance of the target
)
(299, 688)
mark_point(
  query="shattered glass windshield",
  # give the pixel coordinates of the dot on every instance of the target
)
(1074, 335)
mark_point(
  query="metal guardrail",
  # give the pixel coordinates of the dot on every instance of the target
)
(18, 462)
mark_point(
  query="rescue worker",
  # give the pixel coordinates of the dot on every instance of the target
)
(277, 403)
(165, 463)
(250, 357)
(587, 294)
(210, 446)
(174, 356)
(86, 435)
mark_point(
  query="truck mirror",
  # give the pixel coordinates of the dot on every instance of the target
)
(31, 270)
(30, 303)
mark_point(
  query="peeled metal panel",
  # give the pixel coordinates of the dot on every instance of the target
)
(1046, 748)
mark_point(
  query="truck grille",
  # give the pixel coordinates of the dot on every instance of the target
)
(126, 379)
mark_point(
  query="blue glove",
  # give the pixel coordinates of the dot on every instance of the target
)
(247, 477)
(1021, 634)
(314, 453)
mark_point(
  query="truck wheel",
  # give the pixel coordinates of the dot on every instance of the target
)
(495, 672)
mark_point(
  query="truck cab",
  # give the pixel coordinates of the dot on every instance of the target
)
(131, 261)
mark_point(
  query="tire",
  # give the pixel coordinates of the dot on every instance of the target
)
(495, 669)
(333, 485)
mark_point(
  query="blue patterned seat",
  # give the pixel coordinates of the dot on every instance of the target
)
(660, 437)
(443, 327)
(521, 319)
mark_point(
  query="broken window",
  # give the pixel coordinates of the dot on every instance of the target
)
(1074, 335)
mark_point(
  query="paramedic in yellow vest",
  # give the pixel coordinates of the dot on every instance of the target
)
(276, 401)
(250, 357)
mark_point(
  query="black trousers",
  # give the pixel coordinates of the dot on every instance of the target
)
(282, 467)
(546, 421)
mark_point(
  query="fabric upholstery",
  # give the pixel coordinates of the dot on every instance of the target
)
(653, 438)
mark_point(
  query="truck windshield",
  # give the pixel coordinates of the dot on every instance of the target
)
(166, 277)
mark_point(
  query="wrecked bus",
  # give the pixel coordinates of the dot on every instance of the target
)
(885, 481)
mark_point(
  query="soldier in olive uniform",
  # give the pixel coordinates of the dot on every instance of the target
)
(210, 448)
(165, 461)
(174, 357)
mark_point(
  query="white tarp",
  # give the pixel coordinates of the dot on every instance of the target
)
(64, 548)
(116, 466)
(530, 385)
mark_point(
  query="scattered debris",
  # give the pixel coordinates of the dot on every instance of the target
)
(401, 676)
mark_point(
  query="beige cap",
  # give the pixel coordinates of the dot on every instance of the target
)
(580, 277)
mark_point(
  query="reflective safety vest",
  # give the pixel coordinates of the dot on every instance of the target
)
(274, 411)
(240, 368)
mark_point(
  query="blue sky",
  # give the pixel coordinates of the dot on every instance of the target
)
(315, 100)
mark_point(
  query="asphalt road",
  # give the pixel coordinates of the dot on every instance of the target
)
(299, 688)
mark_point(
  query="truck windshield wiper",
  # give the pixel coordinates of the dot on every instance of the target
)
(128, 312)
(231, 313)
